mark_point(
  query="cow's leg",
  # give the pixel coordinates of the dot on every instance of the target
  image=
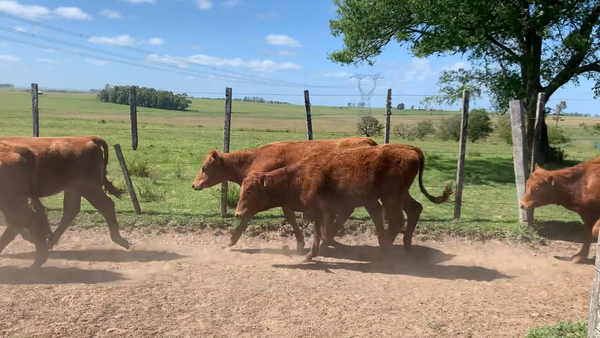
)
(71, 207)
(106, 206)
(589, 219)
(9, 234)
(290, 217)
(376, 212)
(18, 215)
(237, 232)
(413, 213)
(323, 221)
(341, 218)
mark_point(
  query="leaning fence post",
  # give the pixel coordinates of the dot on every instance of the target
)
(460, 171)
(519, 153)
(594, 314)
(308, 115)
(537, 140)
(133, 115)
(121, 158)
(388, 115)
(35, 110)
(226, 134)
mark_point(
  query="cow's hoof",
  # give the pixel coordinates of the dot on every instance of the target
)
(308, 258)
(578, 259)
(122, 242)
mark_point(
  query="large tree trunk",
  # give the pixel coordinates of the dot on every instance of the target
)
(545, 154)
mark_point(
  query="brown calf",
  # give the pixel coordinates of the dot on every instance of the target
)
(17, 184)
(323, 185)
(234, 167)
(77, 166)
(577, 189)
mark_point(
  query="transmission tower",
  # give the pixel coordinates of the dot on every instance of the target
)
(365, 95)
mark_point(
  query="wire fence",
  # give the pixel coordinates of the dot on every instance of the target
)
(180, 144)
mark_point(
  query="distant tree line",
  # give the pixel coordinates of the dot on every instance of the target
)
(248, 99)
(146, 97)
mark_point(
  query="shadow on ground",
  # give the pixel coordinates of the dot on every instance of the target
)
(10, 275)
(571, 231)
(421, 262)
(99, 255)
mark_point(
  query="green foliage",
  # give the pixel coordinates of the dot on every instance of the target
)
(557, 135)
(146, 97)
(233, 195)
(504, 128)
(369, 126)
(479, 126)
(149, 192)
(566, 329)
(418, 131)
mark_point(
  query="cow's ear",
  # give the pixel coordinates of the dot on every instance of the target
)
(536, 167)
(214, 153)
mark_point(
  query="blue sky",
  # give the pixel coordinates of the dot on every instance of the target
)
(274, 49)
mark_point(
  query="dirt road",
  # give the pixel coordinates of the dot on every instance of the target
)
(187, 285)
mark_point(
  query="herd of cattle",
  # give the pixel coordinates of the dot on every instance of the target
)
(324, 179)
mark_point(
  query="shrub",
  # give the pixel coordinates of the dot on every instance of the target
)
(479, 126)
(139, 169)
(561, 330)
(557, 135)
(504, 129)
(233, 194)
(401, 130)
(149, 192)
(421, 130)
(369, 126)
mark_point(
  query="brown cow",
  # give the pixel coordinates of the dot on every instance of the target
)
(234, 167)
(577, 189)
(17, 184)
(77, 166)
(322, 185)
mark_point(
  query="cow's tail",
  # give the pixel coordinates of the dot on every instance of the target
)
(447, 191)
(108, 186)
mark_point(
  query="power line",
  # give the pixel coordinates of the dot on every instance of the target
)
(87, 37)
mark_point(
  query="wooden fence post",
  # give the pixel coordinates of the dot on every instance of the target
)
(460, 170)
(388, 115)
(121, 158)
(226, 134)
(537, 139)
(35, 110)
(308, 115)
(519, 153)
(133, 115)
(594, 314)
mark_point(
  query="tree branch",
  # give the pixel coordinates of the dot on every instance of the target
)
(501, 46)
(565, 76)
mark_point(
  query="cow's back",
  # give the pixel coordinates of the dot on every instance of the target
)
(280, 154)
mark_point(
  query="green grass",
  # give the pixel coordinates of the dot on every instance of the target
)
(172, 146)
(566, 329)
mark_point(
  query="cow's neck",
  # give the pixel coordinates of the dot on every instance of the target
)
(237, 164)
(568, 187)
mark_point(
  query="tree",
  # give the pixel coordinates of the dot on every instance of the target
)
(479, 126)
(369, 126)
(517, 48)
(558, 111)
(400, 106)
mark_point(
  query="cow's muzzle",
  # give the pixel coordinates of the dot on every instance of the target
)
(197, 186)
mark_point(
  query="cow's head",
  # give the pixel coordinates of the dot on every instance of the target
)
(540, 189)
(254, 195)
(210, 173)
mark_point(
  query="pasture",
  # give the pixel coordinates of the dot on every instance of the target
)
(183, 283)
(174, 144)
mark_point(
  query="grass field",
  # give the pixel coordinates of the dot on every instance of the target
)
(173, 145)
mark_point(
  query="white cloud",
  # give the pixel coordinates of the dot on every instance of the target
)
(40, 12)
(267, 66)
(287, 53)
(156, 41)
(45, 60)
(72, 13)
(20, 29)
(338, 74)
(204, 4)
(121, 40)
(97, 62)
(418, 70)
(232, 3)
(282, 40)
(135, 2)
(111, 14)
(8, 58)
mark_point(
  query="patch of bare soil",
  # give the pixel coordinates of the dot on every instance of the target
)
(188, 285)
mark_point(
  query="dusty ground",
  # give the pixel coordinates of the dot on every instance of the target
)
(175, 285)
